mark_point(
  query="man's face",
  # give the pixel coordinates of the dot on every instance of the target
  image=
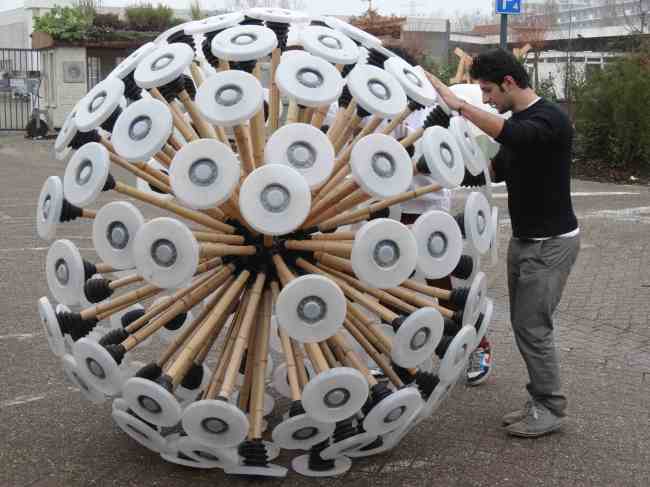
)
(496, 95)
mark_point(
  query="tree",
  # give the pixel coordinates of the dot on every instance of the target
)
(196, 11)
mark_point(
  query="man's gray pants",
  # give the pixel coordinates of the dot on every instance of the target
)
(537, 273)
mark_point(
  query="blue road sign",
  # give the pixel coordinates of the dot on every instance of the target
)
(508, 6)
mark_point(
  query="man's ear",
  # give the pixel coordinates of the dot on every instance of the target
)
(509, 82)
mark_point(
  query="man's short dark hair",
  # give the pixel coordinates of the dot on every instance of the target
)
(495, 65)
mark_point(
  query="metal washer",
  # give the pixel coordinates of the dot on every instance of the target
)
(310, 80)
(184, 249)
(64, 270)
(425, 327)
(99, 103)
(49, 207)
(329, 44)
(139, 392)
(163, 65)
(443, 156)
(415, 83)
(197, 413)
(366, 243)
(86, 174)
(381, 166)
(304, 148)
(331, 303)
(292, 199)
(230, 98)
(221, 171)
(142, 129)
(440, 243)
(377, 91)
(244, 43)
(114, 229)
(316, 391)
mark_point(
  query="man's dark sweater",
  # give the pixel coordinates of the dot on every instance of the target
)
(534, 160)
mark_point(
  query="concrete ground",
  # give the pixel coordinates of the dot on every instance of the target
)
(49, 436)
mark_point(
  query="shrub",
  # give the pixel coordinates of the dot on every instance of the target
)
(64, 23)
(612, 117)
(108, 21)
(146, 17)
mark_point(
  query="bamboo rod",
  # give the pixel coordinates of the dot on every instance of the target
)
(204, 129)
(300, 363)
(274, 93)
(261, 364)
(342, 249)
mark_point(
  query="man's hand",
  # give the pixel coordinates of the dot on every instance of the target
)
(448, 96)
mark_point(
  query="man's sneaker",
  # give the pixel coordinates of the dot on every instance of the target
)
(480, 364)
(539, 421)
(518, 415)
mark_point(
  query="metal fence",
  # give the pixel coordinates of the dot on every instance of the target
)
(20, 80)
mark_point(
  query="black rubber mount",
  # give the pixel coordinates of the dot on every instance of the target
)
(242, 364)
(426, 382)
(69, 211)
(181, 36)
(281, 30)
(362, 112)
(460, 219)
(165, 382)
(443, 345)
(479, 322)
(190, 87)
(404, 375)
(459, 297)
(319, 23)
(437, 116)
(114, 337)
(253, 453)
(296, 408)
(414, 105)
(251, 21)
(458, 317)
(378, 393)
(422, 166)
(74, 325)
(176, 322)
(376, 58)
(131, 316)
(384, 213)
(97, 290)
(193, 377)
(397, 322)
(151, 371)
(132, 91)
(82, 138)
(471, 181)
(206, 47)
(344, 430)
(375, 444)
(90, 269)
(316, 462)
(109, 123)
(109, 184)
(450, 327)
(346, 97)
(117, 352)
(464, 268)
(247, 66)
(171, 90)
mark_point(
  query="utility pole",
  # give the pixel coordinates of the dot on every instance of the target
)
(503, 40)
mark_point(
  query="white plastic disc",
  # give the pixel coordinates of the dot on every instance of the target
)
(269, 470)
(300, 465)
(217, 22)
(68, 131)
(454, 362)
(86, 174)
(142, 129)
(97, 366)
(87, 390)
(204, 173)
(281, 380)
(150, 189)
(51, 326)
(415, 83)
(131, 62)
(202, 452)
(478, 222)
(475, 299)
(275, 199)
(151, 402)
(278, 15)
(215, 422)
(437, 397)
(487, 311)
(166, 253)
(48, 209)
(140, 431)
(244, 43)
(114, 229)
(366, 451)
(162, 39)
(185, 461)
(267, 404)
(311, 308)
(494, 241)
(354, 33)
(381, 166)
(335, 394)
(329, 44)
(443, 156)
(310, 80)
(99, 103)
(301, 432)
(384, 253)
(64, 269)
(440, 243)
(474, 158)
(230, 98)
(393, 411)
(376, 90)
(185, 395)
(275, 343)
(304, 148)
(352, 443)
(163, 65)
(417, 338)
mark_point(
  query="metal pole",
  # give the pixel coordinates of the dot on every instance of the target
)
(503, 43)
